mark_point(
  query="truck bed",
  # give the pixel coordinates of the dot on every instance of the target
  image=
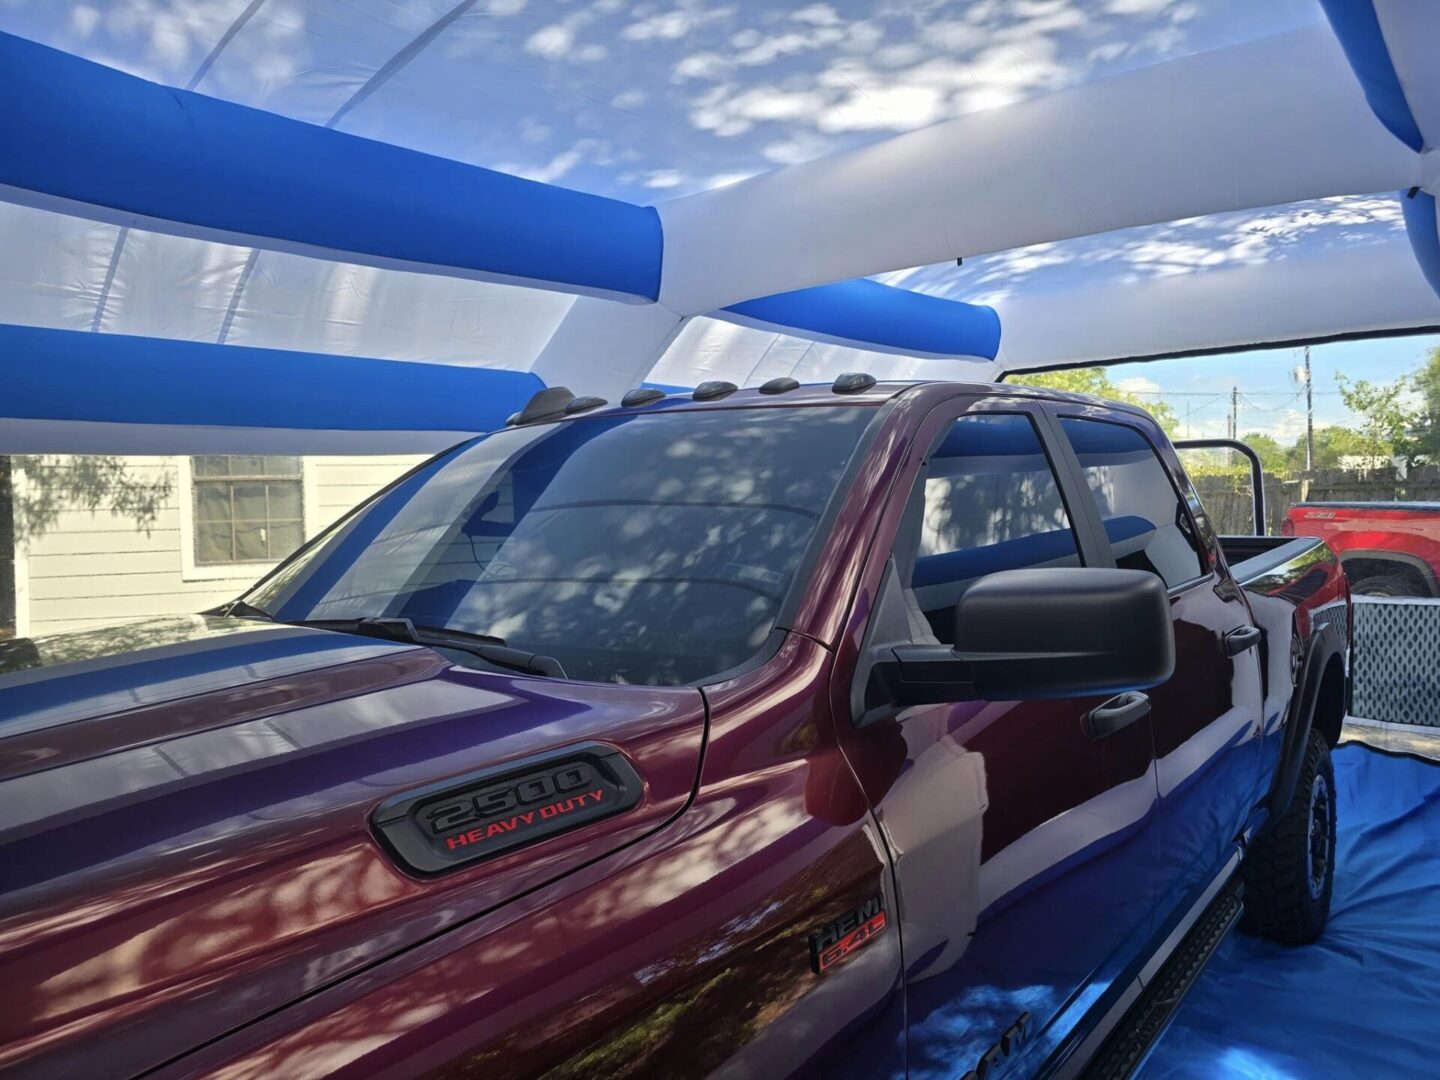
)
(1255, 557)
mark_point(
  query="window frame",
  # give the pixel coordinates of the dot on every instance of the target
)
(249, 570)
(1205, 564)
(857, 662)
(1091, 544)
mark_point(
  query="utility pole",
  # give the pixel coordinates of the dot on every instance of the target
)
(1234, 412)
(1309, 416)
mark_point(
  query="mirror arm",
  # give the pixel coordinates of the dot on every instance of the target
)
(926, 675)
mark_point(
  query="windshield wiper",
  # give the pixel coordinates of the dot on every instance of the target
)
(491, 649)
(240, 609)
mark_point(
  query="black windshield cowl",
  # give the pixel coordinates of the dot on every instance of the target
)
(239, 609)
(491, 649)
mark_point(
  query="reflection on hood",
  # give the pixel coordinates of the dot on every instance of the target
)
(61, 678)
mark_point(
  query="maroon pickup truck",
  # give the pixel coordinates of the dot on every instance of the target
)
(853, 730)
(1387, 548)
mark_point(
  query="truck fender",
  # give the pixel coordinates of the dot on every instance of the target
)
(1400, 560)
(1325, 643)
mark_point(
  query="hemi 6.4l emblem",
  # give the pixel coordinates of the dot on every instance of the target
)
(837, 940)
(486, 813)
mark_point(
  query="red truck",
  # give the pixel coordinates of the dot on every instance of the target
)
(855, 730)
(1388, 548)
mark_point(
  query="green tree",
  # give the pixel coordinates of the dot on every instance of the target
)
(1424, 433)
(1096, 381)
(1385, 418)
(1331, 444)
(1274, 457)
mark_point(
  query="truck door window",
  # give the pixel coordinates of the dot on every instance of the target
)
(1147, 524)
(986, 501)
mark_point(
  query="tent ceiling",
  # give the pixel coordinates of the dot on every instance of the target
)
(673, 104)
(637, 100)
(1223, 280)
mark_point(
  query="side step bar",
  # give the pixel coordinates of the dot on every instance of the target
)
(1126, 1049)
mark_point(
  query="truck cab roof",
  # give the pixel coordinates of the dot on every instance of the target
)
(819, 394)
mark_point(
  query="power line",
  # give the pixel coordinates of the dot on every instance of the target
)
(1270, 408)
(1212, 393)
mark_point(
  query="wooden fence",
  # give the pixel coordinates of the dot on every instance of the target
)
(1227, 495)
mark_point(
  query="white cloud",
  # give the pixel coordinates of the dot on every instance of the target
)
(727, 113)
(672, 25)
(629, 99)
(803, 147)
(559, 165)
(84, 19)
(726, 179)
(705, 65)
(817, 15)
(1138, 384)
(552, 42)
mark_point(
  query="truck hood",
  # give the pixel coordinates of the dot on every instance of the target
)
(188, 808)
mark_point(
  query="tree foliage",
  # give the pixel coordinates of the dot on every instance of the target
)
(1096, 381)
(1273, 457)
(1389, 420)
(1424, 433)
(1332, 445)
(1384, 415)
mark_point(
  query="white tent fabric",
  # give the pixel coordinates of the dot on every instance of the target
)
(68, 272)
(1303, 271)
(1064, 148)
(1267, 122)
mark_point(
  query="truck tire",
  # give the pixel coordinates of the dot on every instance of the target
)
(1289, 872)
(1389, 585)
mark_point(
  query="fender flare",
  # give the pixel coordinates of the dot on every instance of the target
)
(1404, 559)
(1325, 643)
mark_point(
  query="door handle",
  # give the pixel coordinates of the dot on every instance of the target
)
(1120, 711)
(1237, 641)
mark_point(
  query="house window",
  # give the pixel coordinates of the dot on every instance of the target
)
(247, 508)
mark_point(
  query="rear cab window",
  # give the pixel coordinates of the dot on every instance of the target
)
(1145, 519)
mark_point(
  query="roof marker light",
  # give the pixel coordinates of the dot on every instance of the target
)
(712, 389)
(782, 385)
(547, 404)
(641, 395)
(853, 382)
(581, 404)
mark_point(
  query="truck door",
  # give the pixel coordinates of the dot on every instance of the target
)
(1021, 850)
(1207, 717)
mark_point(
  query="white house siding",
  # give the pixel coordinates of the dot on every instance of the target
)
(89, 568)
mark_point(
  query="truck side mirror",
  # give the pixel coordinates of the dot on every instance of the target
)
(1042, 633)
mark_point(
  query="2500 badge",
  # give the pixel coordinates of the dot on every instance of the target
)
(496, 810)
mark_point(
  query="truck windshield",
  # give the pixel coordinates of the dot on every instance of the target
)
(652, 548)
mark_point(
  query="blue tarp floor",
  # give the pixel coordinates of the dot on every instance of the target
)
(1364, 1001)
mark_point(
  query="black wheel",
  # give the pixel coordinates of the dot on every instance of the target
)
(1290, 871)
(1391, 585)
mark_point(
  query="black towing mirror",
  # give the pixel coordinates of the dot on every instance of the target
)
(1042, 633)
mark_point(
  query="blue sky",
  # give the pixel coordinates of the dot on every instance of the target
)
(1271, 400)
